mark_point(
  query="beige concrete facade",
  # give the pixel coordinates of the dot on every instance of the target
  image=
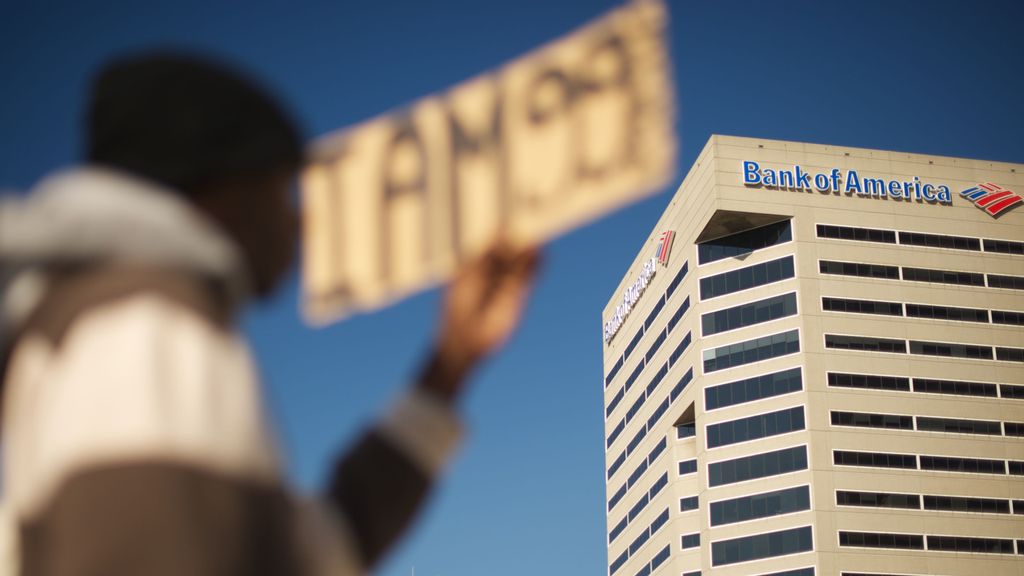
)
(713, 200)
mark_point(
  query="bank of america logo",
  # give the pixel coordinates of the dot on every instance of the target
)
(665, 246)
(991, 198)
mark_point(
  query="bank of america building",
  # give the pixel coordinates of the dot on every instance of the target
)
(815, 365)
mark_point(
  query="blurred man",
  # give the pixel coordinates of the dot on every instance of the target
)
(134, 438)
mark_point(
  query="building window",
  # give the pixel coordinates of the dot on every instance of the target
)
(969, 465)
(638, 507)
(635, 408)
(633, 343)
(1004, 247)
(1011, 391)
(760, 505)
(677, 279)
(659, 521)
(755, 427)
(635, 441)
(618, 562)
(1008, 317)
(1011, 282)
(861, 306)
(859, 269)
(689, 503)
(1015, 467)
(687, 467)
(781, 543)
(653, 314)
(618, 529)
(751, 389)
(865, 343)
(678, 352)
(881, 540)
(865, 420)
(751, 351)
(809, 571)
(686, 430)
(748, 314)
(943, 276)
(951, 350)
(639, 541)
(757, 466)
(746, 278)
(617, 464)
(1013, 428)
(744, 242)
(954, 387)
(658, 485)
(968, 544)
(940, 241)
(636, 374)
(958, 504)
(637, 473)
(877, 499)
(679, 314)
(1009, 354)
(657, 450)
(874, 459)
(691, 540)
(656, 379)
(617, 497)
(681, 385)
(658, 413)
(958, 426)
(868, 381)
(611, 374)
(615, 433)
(859, 234)
(660, 558)
(615, 402)
(947, 313)
(658, 341)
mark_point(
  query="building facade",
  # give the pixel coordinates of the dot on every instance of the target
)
(815, 366)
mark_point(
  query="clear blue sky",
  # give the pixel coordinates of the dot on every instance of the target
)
(526, 495)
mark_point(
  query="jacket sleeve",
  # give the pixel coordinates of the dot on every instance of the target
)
(378, 486)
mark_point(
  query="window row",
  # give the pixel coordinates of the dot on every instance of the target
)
(748, 314)
(929, 275)
(750, 351)
(920, 239)
(756, 466)
(928, 311)
(755, 427)
(929, 502)
(925, 385)
(744, 242)
(651, 316)
(656, 561)
(763, 505)
(759, 546)
(746, 278)
(927, 423)
(927, 462)
(921, 348)
(918, 542)
(754, 388)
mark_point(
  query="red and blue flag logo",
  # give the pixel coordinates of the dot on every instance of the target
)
(665, 246)
(991, 198)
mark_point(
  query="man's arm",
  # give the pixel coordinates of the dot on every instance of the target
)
(378, 487)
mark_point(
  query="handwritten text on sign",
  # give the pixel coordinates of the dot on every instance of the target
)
(544, 144)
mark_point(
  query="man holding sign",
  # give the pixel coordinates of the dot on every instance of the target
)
(134, 440)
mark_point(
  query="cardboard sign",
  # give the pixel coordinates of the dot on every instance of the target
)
(542, 145)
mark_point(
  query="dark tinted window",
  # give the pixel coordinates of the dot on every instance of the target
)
(659, 521)
(635, 441)
(654, 313)
(809, 571)
(760, 546)
(617, 497)
(867, 343)
(749, 314)
(954, 387)
(750, 389)
(657, 450)
(861, 306)
(681, 385)
(955, 464)
(1015, 467)
(1004, 246)
(951, 350)
(638, 507)
(1011, 282)
(1008, 317)
(658, 413)
(686, 430)
(658, 341)
(868, 381)
(687, 467)
(637, 473)
(861, 234)
(637, 405)
(939, 241)
(660, 558)
(611, 373)
(617, 464)
(968, 544)
(958, 504)
(1013, 428)
(1011, 391)
(858, 269)
(943, 276)
(754, 427)
(614, 402)
(865, 420)
(618, 562)
(691, 540)
(760, 505)
(947, 313)
(615, 433)
(679, 314)
(633, 343)
(656, 379)
(680, 348)
(688, 503)
(751, 351)
(758, 466)
(959, 426)
(745, 278)
(874, 459)
(1009, 354)
(639, 541)
(618, 529)
(744, 242)
(877, 499)
(658, 485)
(881, 540)
(676, 280)
(634, 374)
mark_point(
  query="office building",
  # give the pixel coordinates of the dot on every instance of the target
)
(815, 366)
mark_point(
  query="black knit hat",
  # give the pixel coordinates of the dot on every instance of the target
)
(186, 121)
